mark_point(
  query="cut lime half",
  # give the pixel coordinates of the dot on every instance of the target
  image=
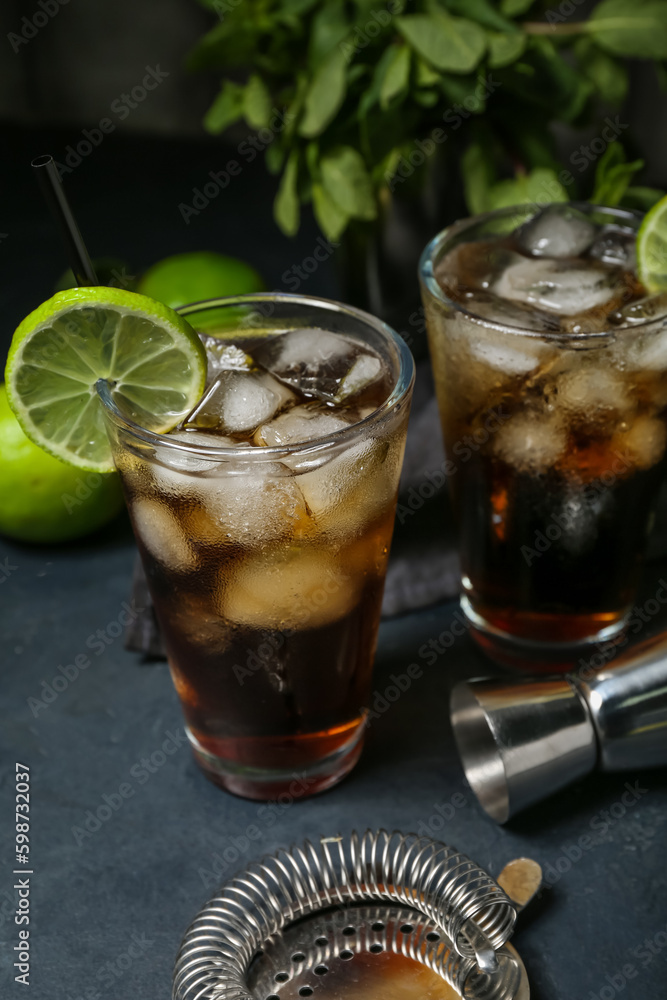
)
(151, 357)
(652, 248)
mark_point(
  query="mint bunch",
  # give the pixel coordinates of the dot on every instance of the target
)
(372, 95)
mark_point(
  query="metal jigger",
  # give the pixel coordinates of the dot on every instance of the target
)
(520, 741)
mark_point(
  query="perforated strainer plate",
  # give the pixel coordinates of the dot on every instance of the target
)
(366, 953)
(377, 917)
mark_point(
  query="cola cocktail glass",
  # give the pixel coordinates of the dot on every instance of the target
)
(266, 565)
(551, 377)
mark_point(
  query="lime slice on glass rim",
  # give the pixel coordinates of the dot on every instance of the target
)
(151, 356)
(652, 248)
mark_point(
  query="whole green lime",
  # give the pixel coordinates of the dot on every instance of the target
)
(44, 500)
(193, 277)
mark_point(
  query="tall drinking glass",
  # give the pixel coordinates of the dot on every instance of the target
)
(550, 365)
(266, 564)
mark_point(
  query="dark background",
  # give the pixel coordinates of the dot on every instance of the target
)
(146, 871)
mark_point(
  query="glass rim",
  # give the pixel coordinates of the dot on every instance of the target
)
(429, 282)
(400, 391)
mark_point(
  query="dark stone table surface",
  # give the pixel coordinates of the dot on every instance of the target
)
(109, 904)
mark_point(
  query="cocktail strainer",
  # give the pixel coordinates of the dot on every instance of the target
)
(383, 914)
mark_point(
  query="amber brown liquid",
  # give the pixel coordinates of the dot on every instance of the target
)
(286, 689)
(520, 576)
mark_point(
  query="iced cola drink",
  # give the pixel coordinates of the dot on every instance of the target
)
(550, 362)
(264, 523)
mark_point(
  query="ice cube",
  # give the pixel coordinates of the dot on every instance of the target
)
(301, 423)
(486, 305)
(578, 518)
(531, 443)
(641, 310)
(565, 289)
(364, 372)
(175, 472)
(292, 588)
(615, 246)
(185, 461)
(352, 489)
(648, 352)
(223, 356)
(162, 534)
(556, 231)
(238, 402)
(473, 266)
(251, 504)
(588, 390)
(643, 444)
(512, 354)
(315, 361)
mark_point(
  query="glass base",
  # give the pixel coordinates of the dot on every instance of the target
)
(530, 656)
(267, 783)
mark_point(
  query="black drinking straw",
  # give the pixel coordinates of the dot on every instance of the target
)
(54, 195)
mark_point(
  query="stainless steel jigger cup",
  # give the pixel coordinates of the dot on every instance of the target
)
(520, 741)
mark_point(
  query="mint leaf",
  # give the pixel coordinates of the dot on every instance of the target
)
(226, 109)
(397, 75)
(297, 6)
(512, 8)
(256, 102)
(426, 76)
(371, 95)
(481, 11)
(478, 176)
(274, 157)
(448, 43)
(326, 94)
(637, 29)
(539, 187)
(331, 219)
(470, 91)
(286, 204)
(347, 182)
(505, 48)
(608, 75)
(613, 175)
(329, 28)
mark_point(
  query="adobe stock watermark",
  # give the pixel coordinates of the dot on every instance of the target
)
(640, 615)
(646, 952)
(224, 7)
(453, 117)
(97, 642)
(31, 26)
(140, 772)
(6, 569)
(266, 816)
(295, 275)
(84, 489)
(430, 652)
(600, 824)
(435, 479)
(219, 180)
(108, 974)
(364, 34)
(443, 812)
(121, 107)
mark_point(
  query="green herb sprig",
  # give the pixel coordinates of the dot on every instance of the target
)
(367, 88)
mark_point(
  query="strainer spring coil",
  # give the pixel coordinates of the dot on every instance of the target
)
(430, 877)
